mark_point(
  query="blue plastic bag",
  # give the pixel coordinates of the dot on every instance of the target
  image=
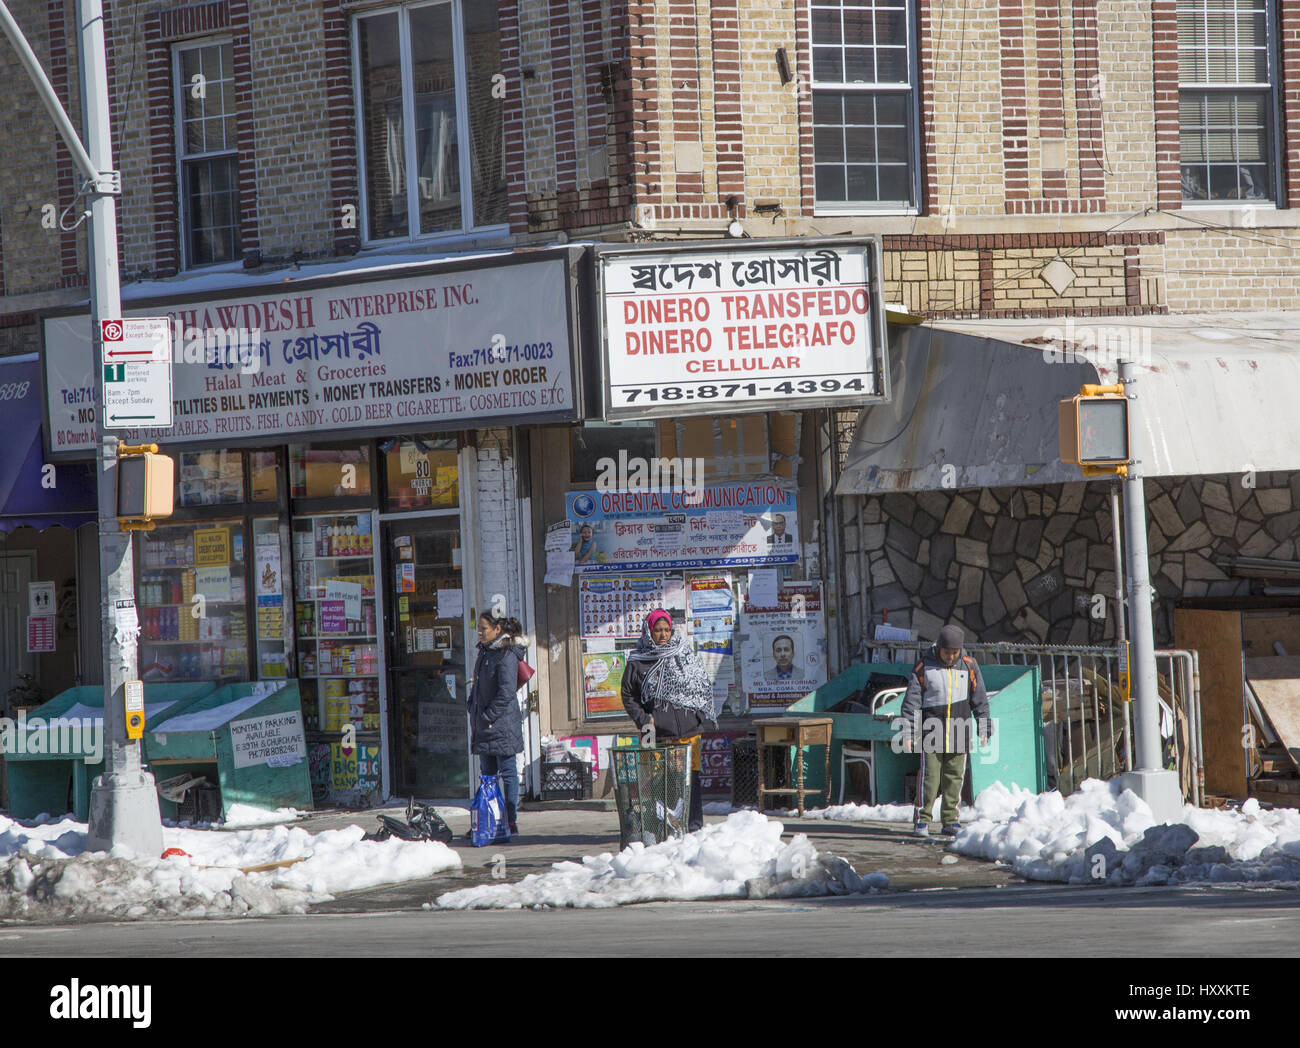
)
(487, 815)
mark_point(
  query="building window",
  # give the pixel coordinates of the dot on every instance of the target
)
(864, 107)
(207, 152)
(1227, 76)
(430, 119)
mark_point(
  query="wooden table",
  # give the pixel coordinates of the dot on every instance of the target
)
(797, 732)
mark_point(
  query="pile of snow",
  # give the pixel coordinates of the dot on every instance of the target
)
(740, 858)
(864, 813)
(1102, 835)
(46, 873)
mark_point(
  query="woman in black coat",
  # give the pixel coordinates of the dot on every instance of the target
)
(497, 728)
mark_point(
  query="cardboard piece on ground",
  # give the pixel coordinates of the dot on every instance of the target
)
(1276, 683)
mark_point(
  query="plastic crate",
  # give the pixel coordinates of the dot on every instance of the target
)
(566, 781)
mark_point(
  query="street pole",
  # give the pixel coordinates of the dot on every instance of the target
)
(123, 801)
(1159, 788)
(1121, 627)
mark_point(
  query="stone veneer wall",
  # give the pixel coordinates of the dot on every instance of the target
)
(1023, 564)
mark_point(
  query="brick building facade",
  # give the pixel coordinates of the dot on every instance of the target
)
(1043, 132)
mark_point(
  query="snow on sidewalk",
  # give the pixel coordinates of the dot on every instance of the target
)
(1100, 835)
(46, 873)
(740, 858)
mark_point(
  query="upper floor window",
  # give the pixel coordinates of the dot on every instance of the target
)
(1227, 79)
(864, 112)
(430, 119)
(207, 153)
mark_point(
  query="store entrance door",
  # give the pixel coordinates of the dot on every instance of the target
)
(16, 570)
(425, 613)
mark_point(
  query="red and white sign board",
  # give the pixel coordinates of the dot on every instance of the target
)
(705, 331)
(40, 634)
(137, 361)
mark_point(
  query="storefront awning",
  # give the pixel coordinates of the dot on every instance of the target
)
(975, 402)
(29, 495)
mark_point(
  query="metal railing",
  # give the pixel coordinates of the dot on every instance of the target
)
(1080, 717)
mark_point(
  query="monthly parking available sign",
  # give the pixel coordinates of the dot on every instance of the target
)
(137, 360)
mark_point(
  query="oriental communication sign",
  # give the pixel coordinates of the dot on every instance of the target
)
(717, 329)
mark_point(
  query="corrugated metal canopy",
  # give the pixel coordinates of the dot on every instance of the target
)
(975, 401)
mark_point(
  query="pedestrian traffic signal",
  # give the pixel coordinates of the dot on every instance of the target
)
(1094, 431)
(146, 483)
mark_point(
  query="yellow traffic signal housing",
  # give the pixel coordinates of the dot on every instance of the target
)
(146, 484)
(1094, 432)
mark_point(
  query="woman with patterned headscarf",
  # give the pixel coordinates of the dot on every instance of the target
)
(666, 685)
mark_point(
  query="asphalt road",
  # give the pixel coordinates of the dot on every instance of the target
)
(1012, 921)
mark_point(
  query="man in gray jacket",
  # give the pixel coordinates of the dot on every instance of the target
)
(944, 690)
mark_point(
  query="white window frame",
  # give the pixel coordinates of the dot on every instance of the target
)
(467, 228)
(1277, 170)
(178, 125)
(867, 207)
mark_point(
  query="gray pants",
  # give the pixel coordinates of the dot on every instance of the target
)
(940, 772)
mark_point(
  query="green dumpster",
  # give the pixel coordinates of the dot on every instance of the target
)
(245, 738)
(1017, 755)
(57, 750)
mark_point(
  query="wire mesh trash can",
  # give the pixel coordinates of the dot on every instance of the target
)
(652, 788)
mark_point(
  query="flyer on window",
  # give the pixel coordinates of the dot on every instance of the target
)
(784, 653)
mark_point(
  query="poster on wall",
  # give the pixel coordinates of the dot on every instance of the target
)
(712, 620)
(741, 327)
(602, 676)
(784, 653)
(720, 526)
(617, 606)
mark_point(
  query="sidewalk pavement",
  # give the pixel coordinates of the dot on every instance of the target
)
(552, 836)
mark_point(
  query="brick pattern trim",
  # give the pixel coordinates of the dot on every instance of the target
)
(1087, 103)
(622, 163)
(562, 101)
(162, 149)
(684, 78)
(1002, 241)
(929, 140)
(1051, 94)
(1054, 311)
(194, 20)
(1164, 38)
(648, 166)
(1055, 206)
(595, 108)
(803, 56)
(513, 116)
(1015, 106)
(249, 233)
(1289, 88)
(17, 320)
(728, 124)
(988, 245)
(65, 177)
(1133, 276)
(344, 186)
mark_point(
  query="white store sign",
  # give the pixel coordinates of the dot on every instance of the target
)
(431, 351)
(137, 359)
(724, 329)
(276, 740)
